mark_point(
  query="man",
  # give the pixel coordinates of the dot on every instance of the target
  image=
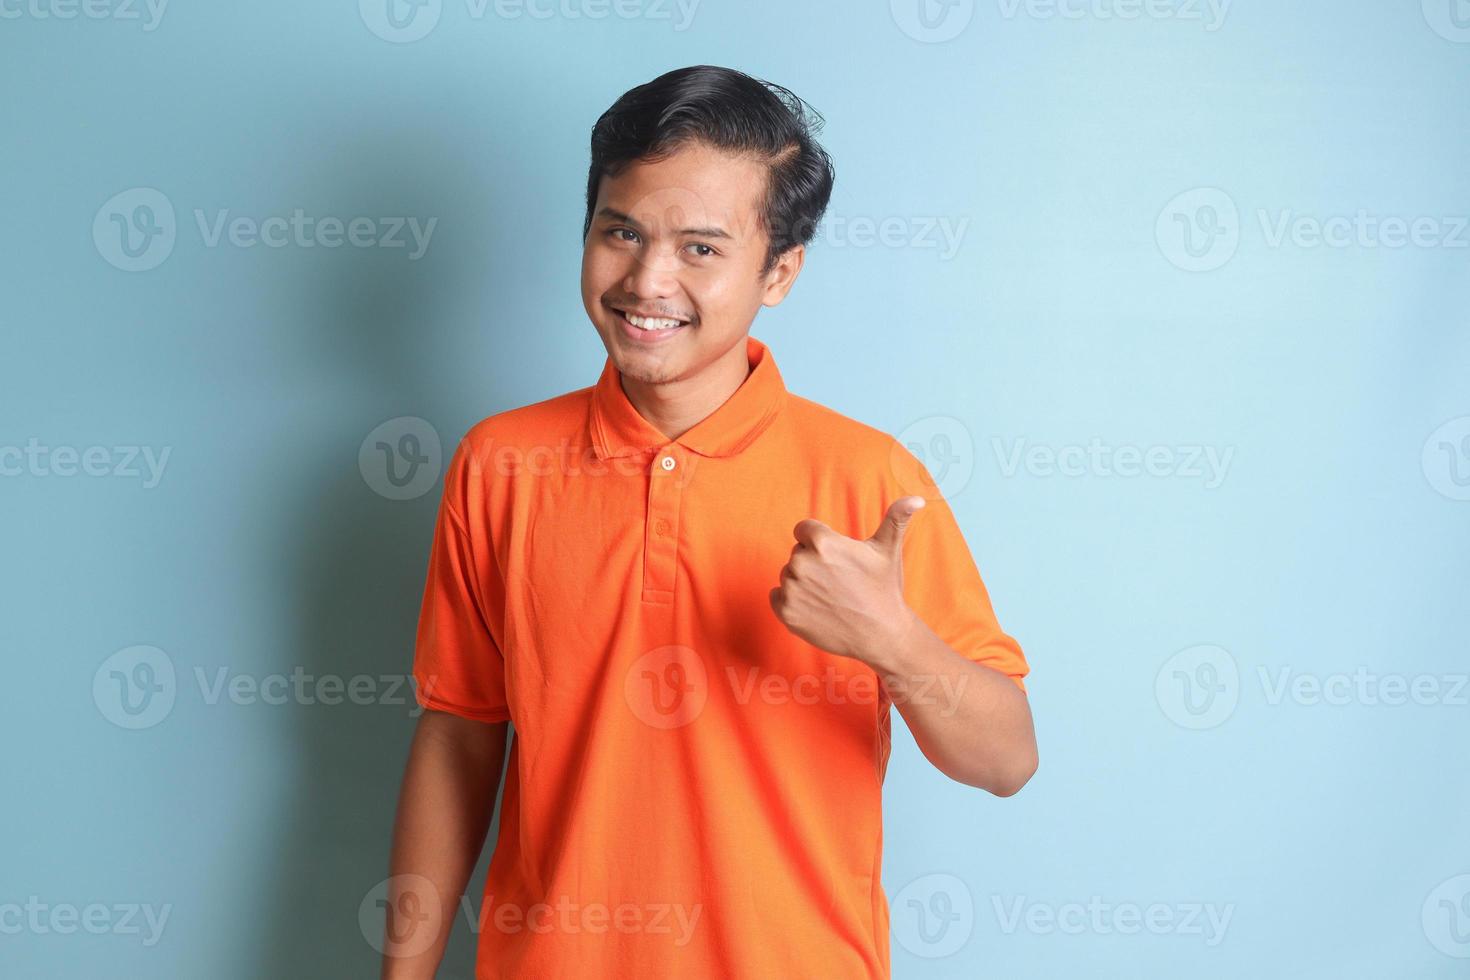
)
(696, 595)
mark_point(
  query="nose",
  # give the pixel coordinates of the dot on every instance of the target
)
(651, 275)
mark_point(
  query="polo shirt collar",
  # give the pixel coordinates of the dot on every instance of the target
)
(618, 430)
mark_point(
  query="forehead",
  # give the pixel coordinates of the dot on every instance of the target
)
(695, 185)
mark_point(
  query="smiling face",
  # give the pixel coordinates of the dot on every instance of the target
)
(671, 267)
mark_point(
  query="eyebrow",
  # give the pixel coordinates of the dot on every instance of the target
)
(616, 215)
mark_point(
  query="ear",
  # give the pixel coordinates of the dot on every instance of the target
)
(782, 277)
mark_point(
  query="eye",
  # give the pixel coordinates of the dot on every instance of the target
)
(708, 251)
(617, 232)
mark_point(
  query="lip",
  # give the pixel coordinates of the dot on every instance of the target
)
(650, 338)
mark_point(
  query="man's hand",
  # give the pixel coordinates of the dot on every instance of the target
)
(844, 595)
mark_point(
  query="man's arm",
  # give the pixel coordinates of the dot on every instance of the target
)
(972, 722)
(847, 597)
(444, 809)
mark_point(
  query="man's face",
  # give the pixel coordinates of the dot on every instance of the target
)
(681, 239)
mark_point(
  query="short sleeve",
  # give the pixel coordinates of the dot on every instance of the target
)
(941, 582)
(457, 665)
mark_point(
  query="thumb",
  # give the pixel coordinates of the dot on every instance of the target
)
(889, 536)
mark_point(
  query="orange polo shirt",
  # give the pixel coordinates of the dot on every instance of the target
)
(692, 790)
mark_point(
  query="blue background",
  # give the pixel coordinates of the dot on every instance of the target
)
(1335, 542)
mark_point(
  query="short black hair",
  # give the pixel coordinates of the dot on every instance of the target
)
(728, 110)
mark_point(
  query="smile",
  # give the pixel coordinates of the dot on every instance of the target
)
(649, 331)
(651, 323)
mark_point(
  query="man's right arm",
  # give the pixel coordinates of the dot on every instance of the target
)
(445, 807)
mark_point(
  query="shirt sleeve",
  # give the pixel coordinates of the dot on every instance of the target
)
(941, 582)
(457, 663)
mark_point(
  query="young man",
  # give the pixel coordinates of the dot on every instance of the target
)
(696, 595)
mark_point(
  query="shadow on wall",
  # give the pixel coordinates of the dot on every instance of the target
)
(352, 573)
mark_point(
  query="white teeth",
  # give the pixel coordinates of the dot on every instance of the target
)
(651, 323)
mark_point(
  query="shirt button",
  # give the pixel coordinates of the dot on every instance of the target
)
(667, 462)
(661, 528)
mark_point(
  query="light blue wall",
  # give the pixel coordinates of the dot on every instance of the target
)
(1069, 318)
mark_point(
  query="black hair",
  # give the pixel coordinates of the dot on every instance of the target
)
(727, 110)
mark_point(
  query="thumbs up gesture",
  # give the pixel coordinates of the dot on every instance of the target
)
(844, 595)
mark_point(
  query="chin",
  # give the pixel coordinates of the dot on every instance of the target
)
(647, 370)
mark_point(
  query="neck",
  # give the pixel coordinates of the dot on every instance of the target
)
(675, 407)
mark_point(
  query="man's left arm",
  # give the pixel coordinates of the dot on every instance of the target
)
(970, 720)
(846, 596)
